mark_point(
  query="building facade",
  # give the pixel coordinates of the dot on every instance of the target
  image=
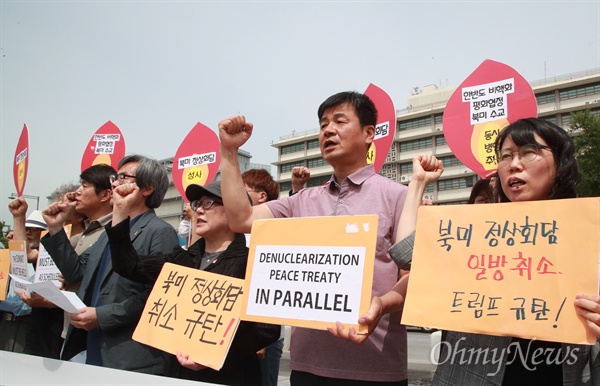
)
(419, 130)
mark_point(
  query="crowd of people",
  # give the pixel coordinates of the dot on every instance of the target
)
(118, 247)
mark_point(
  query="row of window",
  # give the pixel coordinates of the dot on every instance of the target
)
(312, 182)
(311, 164)
(448, 161)
(569, 93)
(449, 184)
(578, 92)
(542, 98)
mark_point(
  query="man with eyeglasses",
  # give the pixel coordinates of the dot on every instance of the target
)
(101, 333)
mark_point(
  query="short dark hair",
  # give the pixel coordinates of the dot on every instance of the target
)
(149, 172)
(560, 143)
(99, 176)
(481, 188)
(363, 106)
(261, 179)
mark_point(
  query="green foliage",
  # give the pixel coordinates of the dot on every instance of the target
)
(585, 129)
(3, 233)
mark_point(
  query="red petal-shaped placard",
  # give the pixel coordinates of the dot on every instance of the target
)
(107, 146)
(491, 98)
(385, 128)
(197, 160)
(21, 161)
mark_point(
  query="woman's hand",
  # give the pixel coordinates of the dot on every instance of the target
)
(184, 360)
(588, 306)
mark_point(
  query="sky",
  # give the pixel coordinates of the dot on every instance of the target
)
(156, 68)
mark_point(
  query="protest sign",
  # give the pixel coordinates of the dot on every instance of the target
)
(510, 269)
(4, 272)
(67, 300)
(493, 96)
(191, 311)
(21, 163)
(107, 146)
(197, 159)
(311, 271)
(385, 129)
(45, 269)
(18, 263)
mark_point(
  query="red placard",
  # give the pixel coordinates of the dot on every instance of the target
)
(491, 98)
(385, 128)
(197, 160)
(21, 163)
(107, 146)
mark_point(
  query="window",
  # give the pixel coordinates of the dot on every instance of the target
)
(285, 186)
(406, 168)
(455, 183)
(316, 162)
(453, 203)
(416, 144)
(578, 92)
(450, 161)
(547, 97)
(440, 140)
(551, 119)
(286, 168)
(414, 123)
(566, 119)
(429, 188)
(317, 181)
(312, 144)
(437, 119)
(292, 148)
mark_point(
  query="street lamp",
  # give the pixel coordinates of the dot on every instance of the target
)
(37, 199)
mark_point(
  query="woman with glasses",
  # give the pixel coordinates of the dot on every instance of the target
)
(536, 161)
(219, 250)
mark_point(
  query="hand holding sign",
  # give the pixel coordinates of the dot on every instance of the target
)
(588, 306)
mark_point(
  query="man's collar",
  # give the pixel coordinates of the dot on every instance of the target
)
(356, 178)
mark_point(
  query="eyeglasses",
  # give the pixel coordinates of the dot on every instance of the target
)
(120, 177)
(206, 204)
(526, 153)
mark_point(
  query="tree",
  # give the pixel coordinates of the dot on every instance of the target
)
(585, 129)
(3, 233)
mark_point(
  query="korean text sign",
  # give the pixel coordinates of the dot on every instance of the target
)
(509, 269)
(310, 272)
(192, 311)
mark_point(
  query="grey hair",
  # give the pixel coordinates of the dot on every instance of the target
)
(149, 173)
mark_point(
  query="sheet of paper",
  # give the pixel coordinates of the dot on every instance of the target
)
(68, 301)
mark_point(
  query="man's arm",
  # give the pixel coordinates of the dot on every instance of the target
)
(300, 176)
(18, 208)
(162, 239)
(234, 132)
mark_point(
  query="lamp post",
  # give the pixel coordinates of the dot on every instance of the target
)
(37, 199)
